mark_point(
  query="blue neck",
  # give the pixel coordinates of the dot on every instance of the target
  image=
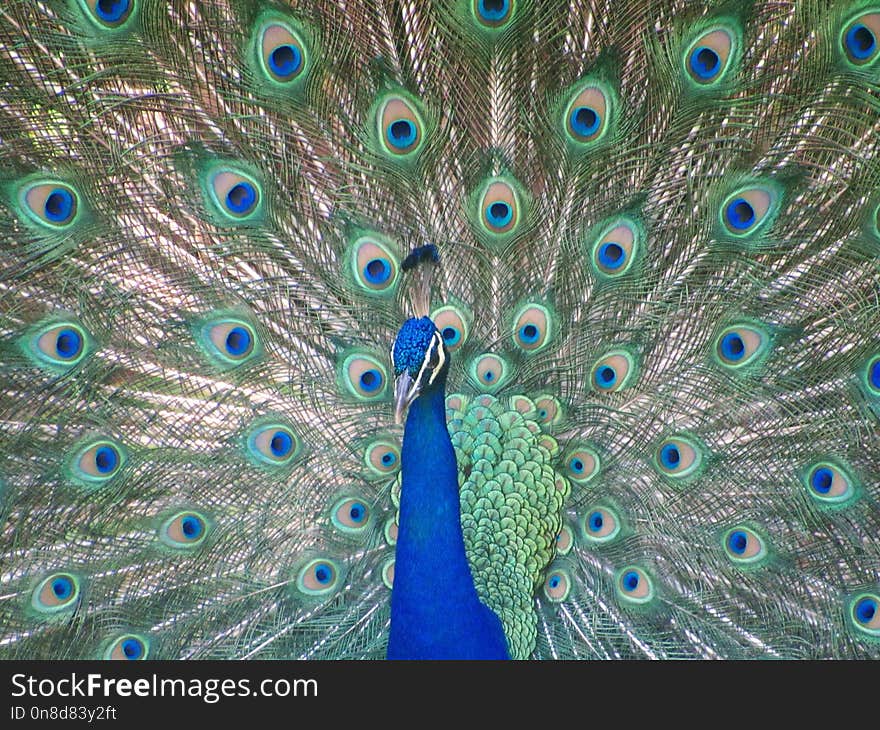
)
(435, 610)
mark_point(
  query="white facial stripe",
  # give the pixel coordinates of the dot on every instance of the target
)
(441, 355)
(436, 343)
(418, 378)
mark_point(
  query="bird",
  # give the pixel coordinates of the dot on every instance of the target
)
(496, 329)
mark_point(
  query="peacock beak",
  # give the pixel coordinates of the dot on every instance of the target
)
(406, 390)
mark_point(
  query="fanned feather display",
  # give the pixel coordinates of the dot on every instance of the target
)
(658, 290)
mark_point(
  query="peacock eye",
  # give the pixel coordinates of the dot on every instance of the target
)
(613, 372)
(532, 328)
(53, 204)
(739, 345)
(128, 647)
(601, 525)
(678, 457)
(616, 248)
(557, 585)
(374, 265)
(234, 194)
(493, 13)
(390, 531)
(744, 546)
(58, 346)
(364, 377)
(282, 53)
(388, 573)
(318, 577)
(830, 484)
(401, 129)
(58, 592)
(110, 13)
(230, 343)
(749, 209)
(500, 207)
(708, 57)
(350, 515)
(382, 457)
(452, 325)
(873, 375)
(549, 410)
(865, 614)
(586, 119)
(97, 462)
(184, 530)
(634, 586)
(859, 40)
(488, 371)
(273, 444)
(582, 464)
(564, 540)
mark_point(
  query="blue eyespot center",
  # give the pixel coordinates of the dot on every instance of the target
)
(732, 346)
(371, 380)
(493, 10)
(238, 341)
(357, 512)
(705, 62)
(285, 60)
(133, 649)
(630, 581)
(861, 42)
(554, 581)
(62, 588)
(529, 333)
(866, 609)
(191, 527)
(323, 573)
(737, 541)
(281, 444)
(241, 198)
(388, 458)
(821, 480)
(68, 344)
(489, 376)
(596, 521)
(606, 377)
(451, 335)
(401, 133)
(59, 205)
(611, 255)
(670, 456)
(499, 214)
(740, 214)
(106, 459)
(875, 374)
(585, 121)
(377, 271)
(111, 11)
(577, 465)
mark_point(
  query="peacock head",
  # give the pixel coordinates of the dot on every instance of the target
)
(420, 360)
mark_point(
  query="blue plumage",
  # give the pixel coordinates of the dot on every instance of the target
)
(435, 610)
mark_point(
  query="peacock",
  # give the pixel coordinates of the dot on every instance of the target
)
(508, 329)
